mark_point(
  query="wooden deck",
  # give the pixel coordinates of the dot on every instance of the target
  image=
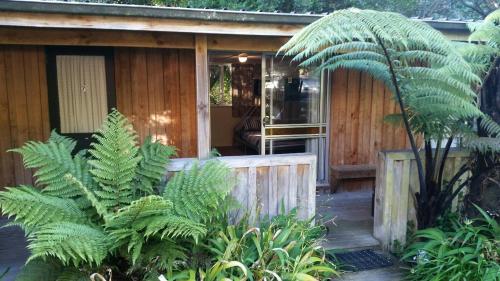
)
(352, 225)
(352, 229)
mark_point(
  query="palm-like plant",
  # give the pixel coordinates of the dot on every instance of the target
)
(110, 206)
(430, 81)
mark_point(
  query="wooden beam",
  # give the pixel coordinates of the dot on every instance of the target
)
(202, 98)
(246, 43)
(91, 37)
(23, 19)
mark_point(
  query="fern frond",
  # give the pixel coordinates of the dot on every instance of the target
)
(90, 196)
(32, 208)
(52, 160)
(197, 193)
(71, 243)
(483, 145)
(491, 127)
(163, 253)
(115, 157)
(69, 143)
(154, 160)
(487, 31)
(151, 215)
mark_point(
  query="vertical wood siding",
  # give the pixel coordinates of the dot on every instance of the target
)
(23, 108)
(156, 89)
(357, 109)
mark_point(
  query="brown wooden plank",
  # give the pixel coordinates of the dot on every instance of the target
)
(353, 117)
(377, 119)
(7, 177)
(188, 103)
(172, 98)
(202, 96)
(59, 20)
(88, 37)
(17, 107)
(44, 99)
(339, 99)
(366, 93)
(33, 93)
(155, 92)
(139, 92)
(122, 81)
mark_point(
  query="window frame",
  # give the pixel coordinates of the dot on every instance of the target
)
(83, 139)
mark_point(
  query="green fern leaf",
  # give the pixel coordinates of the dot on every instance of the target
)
(52, 160)
(198, 193)
(152, 167)
(71, 243)
(115, 157)
(32, 208)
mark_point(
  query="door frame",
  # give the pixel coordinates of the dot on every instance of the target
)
(83, 139)
(323, 135)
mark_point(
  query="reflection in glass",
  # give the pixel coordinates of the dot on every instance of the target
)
(292, 93)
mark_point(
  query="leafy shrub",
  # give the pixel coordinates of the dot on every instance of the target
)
(109, 207)
(470, 251)
(282, 248)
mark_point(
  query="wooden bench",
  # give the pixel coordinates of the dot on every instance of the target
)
(339, 173)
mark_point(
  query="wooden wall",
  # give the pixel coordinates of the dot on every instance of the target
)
(155, 88)
(357, 108)
(23, 107)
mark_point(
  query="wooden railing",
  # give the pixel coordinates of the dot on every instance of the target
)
(265, 183)
(396, 184)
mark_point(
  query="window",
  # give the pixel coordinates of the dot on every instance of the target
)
(81, 90)
(220, 84)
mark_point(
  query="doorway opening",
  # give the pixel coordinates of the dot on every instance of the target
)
(235, 95)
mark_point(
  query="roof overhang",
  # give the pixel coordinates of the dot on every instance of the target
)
(53, 14)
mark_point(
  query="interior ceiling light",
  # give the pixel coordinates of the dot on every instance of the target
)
(243, 57)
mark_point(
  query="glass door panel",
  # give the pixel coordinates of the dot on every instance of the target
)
(293, 118)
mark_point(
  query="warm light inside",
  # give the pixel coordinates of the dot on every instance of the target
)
(243, 58)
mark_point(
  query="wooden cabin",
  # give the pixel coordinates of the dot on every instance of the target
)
(204, 79)
(197, 79)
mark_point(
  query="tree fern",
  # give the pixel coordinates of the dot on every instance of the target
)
(115, 157)
(198, 192)
(431, 81)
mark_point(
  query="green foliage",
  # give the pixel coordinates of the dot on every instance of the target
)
(470, 250)
(103, 208)
(488, 31)
(282, 248)
(198, 192)
(115, 158)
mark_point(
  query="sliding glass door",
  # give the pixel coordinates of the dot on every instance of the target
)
(293, 110)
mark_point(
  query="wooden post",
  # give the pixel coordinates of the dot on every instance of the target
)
(202, 98)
